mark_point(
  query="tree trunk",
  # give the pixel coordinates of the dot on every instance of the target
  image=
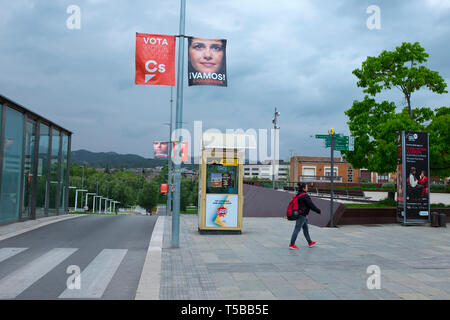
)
(408, 99)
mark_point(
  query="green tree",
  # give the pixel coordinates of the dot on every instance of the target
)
(149, 195)
(375, 125)
(401, 69)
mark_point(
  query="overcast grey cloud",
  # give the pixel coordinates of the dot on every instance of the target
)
(295, 55)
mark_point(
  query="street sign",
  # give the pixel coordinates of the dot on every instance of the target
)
(322, 136)
(351, 144)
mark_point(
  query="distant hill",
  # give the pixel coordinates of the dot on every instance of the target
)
(114, 160)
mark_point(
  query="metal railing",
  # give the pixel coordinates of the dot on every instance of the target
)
(319, 178)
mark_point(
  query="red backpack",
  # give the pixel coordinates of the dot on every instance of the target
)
(293, 210)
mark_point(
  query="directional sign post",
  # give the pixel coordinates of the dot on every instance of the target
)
(338, 142)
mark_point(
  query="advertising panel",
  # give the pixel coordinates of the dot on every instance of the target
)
(221, 211)
(184, 152)
(415, 191)
(161, 149)
(155, 59)
(207, 62)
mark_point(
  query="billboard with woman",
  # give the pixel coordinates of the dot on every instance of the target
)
(161, 149)
(207, 62)
(413, 195)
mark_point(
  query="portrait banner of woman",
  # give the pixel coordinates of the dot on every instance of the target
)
(161, 149)
(207, 62)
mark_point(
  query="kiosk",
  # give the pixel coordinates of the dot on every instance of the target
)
(221, 183)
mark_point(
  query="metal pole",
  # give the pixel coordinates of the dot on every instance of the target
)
(76, 199)
(274, 121)
(82, 180)
(179, 119)
(169, 191)
(331, 179)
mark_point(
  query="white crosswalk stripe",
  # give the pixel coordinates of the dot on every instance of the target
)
(18, 281)
(6, 253)
(96, 277)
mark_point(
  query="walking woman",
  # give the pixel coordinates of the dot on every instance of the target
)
(305, 204)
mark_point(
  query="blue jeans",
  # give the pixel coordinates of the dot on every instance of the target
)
(300, 224)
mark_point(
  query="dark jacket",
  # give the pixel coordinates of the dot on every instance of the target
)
(305, 204)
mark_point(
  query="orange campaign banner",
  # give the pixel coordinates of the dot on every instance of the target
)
(184, 151)
(164, 188)
(155, 59)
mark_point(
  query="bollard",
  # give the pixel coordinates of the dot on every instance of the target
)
(443, 220)
(434, 219)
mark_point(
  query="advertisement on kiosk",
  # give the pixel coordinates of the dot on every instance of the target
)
(221, 210)
(413, 193)
(220, 191)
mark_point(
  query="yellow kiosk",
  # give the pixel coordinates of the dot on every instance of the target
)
(221, 183)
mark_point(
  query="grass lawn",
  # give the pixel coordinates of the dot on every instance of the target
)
(190, 210)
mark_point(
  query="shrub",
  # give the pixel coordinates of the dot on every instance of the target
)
(388, 202)
(438, 187)
(388, 185)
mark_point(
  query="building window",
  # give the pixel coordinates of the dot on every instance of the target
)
(28, 173)
(12, 165)
(383, 177)
(328, 172)
(349, 174)
(42, 188)
(54, 171)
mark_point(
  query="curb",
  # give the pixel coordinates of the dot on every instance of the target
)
(38, 223)
(150, 281)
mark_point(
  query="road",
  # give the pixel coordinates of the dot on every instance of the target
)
(108, 250)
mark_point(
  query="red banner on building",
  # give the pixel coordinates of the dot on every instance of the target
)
(155, 59)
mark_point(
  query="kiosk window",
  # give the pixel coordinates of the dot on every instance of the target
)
(221, 179)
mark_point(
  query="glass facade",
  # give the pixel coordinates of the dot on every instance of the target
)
(54, 171)
(12, 139)
(28, 172)
(42, 171)
(34, 158)
(64, 165)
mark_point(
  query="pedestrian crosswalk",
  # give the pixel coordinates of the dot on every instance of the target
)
(94, 279)
(97, 275)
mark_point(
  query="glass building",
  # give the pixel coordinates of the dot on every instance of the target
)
(34, 157)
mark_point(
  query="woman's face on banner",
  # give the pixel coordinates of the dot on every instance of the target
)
(160, 147)
(206, 55)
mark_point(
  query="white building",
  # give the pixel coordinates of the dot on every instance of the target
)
(265, 170)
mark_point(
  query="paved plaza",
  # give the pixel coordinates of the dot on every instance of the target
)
(414, 262)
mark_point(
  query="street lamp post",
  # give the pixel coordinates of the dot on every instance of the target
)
(332, 178)
(274, 121)
(87, 195)
(178, 127)
(72, 187)
(94, 204)
(76, 197)
(82, 179)
(106, 205)
(169, 173)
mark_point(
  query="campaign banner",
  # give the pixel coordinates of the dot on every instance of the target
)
(164, 187)
(183, 152)
(161, 149)
(207, 62)
(413, 191)
(155, 59)
(221, 211)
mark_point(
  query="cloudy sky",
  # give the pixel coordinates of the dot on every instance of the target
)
(296, 55)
